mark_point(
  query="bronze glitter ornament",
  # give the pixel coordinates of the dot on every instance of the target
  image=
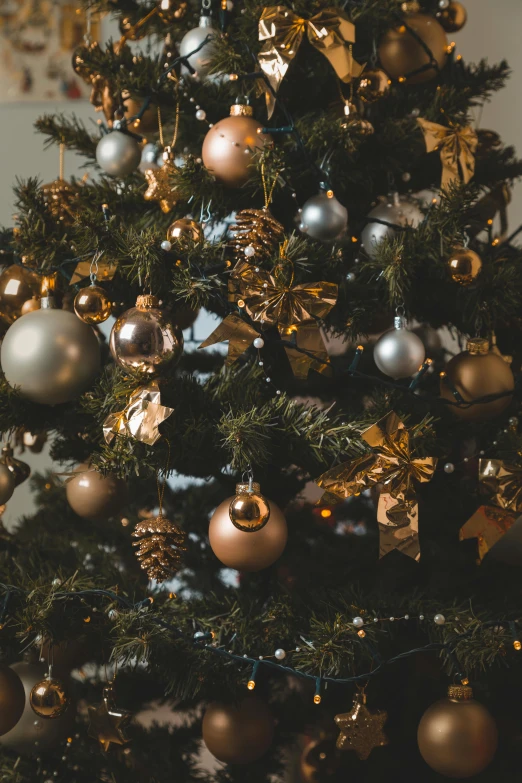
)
(244, 551)
(146, 338)
(49, 698)
(249, 510)
(453, 18)
(404, 57)
(230, 145)
(30, 305)
(20, 470)
(92, 495)
(360, 729)
(107, 722)
(17, 285)
(160, 547)
(12, 699)
(61, 199)
(184, 231)
(92, 304)
(475, 373)
(374, 84)
(238, 734)
(7, 484)
(464, 265)
(160, 186)
(457, 736)
(256, 233)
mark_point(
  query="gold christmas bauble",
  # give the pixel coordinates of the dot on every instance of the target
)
(457, 736)
(373, 85)
(475, 373)
(464, 265)
(31, 304)
(19, 470)
(92, 304)
(230, 144)
(49, 698)
(94, 496)
(148, 122)
(238, 734)
(453, 18)
(17, 285)
(184, 231)
(249, 510)
(403, 56)
(12, 699)
(250, 551)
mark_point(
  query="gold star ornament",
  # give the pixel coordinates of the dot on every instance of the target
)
(360, 729)
(160, 184)
(107, 723)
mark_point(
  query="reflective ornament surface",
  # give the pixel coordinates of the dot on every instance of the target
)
(393, 213)
(50, 355)
(373, 85)
(407, 57)
(30, 305)
(118, 154)
(49, 698)
(7, 484)
(464, 265)
(151, 158)
(453, 18)
(12, 699)
(201, 61)
(17, 285)
(146, 338)
(229, 146)
(34, 441)
(92, 495)
(20, 470)
(238, 733)
(92, 304)
(323, 217)
(249, 510)
(399, 353)
(184, 231)
(148, 122)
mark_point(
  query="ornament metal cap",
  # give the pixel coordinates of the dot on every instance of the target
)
(254, 488)
(477, 346)
(147, 300)
(205, 21)
(460, 692)
(241, 110)
(47, 303)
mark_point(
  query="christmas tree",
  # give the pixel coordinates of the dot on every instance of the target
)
(289, 552)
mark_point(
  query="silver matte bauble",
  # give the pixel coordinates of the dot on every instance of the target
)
(7, 484)
(151, 158)
(201, 61)
(50, 355)
(323, 217)
(396, 211)
(118, 153)
(399, 353)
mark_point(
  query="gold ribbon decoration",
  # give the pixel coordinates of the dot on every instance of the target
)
(307, 350)
(140, 418)
(488, 525)
(281, 32)
(105, 271)
(504, 481)
(457, 147)
(239, 334)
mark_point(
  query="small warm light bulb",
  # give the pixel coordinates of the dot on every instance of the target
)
(317, 698)
(325, 512)
(517, 645)
(465, 681)
(361, 633)
(330, 193)
(251, 685)
(402, 79)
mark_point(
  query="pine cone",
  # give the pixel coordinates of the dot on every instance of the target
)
(159, 548)
(256, 228)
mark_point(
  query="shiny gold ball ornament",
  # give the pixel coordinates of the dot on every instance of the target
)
(453, 18)
(30, 305)
(146, 338)
(7, 484)
(464, 265)
(12, 699)
(148, 122)
(92, 495)
(457, 736)
(249, 510)
(230, 145)
(406, 57)
(247, 551)
(184, 231)
(238, 734)
(17, 285)
(49, 698)
(92, 304)
(374, 84)
(475, 373)
(20, 470)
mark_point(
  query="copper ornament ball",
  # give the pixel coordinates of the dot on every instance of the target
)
(244, 551)
(373, 85)
(476, 373)
(31, 304)
(12, 699)
(185, 231)
(49, 698)
(457, 736)
(238, 734)
(94, 496)
(92, 304)
(19, 469)
(249, 510)
(229, 146)
(7, 484)
(401, 54)
(17, 285)
(464, 265)
(453, 18)
(148, 123)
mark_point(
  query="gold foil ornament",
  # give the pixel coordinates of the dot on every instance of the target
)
(457, 147)
(105, 270)
(160, 186)
(107, 723)
(504, 481)
(140, 418)
(239, 334)
(281, 32)
(360, 729)
(305, 349)
(488, 525)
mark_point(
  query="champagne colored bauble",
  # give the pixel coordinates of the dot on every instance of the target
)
(453, 18)
(7, 484)
(373, 85)
(399, 353)
(184, 316)
(17, 285)
(12, 699)
(20, 470)
(148, 122)
(457, 736)
(50, 355)
(92, 304)
(464, 265)
(323, 217)
(184, 231)
(30, 305)
(249, 510)
(238, 734)
(92, 495)
(403, 56)
(229, 146)
(250, 551)
(118, 153)
(475, 373)
(32, 735)
(49, 698)
(201, 60)
(393, 214)
(146, 338)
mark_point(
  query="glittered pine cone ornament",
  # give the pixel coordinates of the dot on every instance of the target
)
(160, 547)
(256, 233)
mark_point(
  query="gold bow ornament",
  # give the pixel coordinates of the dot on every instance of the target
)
(457, 147)
(239, 334)
(504, 481)
(140, 418)
(392, 466)
(281, 32)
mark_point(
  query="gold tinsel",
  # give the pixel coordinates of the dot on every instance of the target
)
(160, 546)
(258, 229)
